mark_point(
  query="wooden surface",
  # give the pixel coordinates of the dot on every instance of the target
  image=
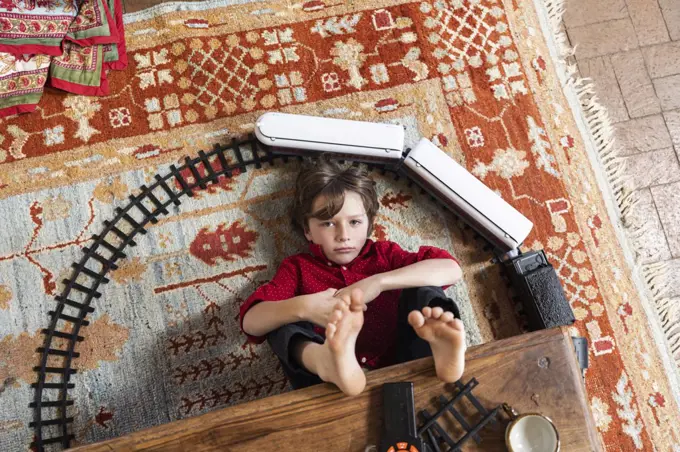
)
(535, 372)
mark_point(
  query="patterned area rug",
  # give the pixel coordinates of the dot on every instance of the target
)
(474, 76)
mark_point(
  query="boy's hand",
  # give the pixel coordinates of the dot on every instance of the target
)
(370, 287)
(354, 300)
(319, 306)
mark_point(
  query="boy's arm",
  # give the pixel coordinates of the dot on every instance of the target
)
(265, 317)
(273, 304)
(430, 272)
(430, 266)
(277, 303)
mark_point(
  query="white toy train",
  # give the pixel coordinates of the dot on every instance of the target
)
(428, 166)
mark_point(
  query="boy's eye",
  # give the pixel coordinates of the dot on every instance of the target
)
(326, 223)
(355, 222)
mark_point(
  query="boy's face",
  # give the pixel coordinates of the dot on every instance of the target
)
(342, 237)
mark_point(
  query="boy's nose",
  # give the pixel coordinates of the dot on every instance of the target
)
(342, 234)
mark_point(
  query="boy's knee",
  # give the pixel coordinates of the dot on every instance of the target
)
(422, 295)
(416, 298)
(286, 332)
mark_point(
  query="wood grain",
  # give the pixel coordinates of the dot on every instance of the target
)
(535, 372)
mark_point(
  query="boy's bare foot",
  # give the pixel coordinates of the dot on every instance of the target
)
(446, 336)
(336, 362)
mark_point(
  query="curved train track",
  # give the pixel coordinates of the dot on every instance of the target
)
(52, 421)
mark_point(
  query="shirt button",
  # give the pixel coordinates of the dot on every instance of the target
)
(344, 268)
(329, 264)
(363, 360)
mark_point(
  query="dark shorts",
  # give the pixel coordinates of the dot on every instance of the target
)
(409, 346)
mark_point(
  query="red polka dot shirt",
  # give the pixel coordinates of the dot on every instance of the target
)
(308, 273)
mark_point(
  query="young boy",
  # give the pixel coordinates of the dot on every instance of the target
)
(351, 285)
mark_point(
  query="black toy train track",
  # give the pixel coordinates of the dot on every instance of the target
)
(152, 202)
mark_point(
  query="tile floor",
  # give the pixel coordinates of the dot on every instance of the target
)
(631, 49)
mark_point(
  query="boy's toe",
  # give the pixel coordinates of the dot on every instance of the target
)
(457, 324)
(437, 312)
(416, 319)
(335, 316)
(330, 330)
(447, 317)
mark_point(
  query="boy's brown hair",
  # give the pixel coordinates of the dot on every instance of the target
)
(327, 178)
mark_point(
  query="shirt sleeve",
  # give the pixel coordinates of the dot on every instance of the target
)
(399, 257)
(282, 286)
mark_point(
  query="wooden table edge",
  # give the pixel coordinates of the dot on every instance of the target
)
(213, 419)
(580, 388)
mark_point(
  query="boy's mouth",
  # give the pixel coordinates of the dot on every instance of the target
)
(343, 250)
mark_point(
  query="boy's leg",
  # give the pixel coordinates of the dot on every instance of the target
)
(308, 359)
(284, 341)
(410, 346)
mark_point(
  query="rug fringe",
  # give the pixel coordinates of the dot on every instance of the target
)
(655, 276)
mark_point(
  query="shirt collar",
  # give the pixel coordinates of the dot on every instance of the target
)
(318, 252)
